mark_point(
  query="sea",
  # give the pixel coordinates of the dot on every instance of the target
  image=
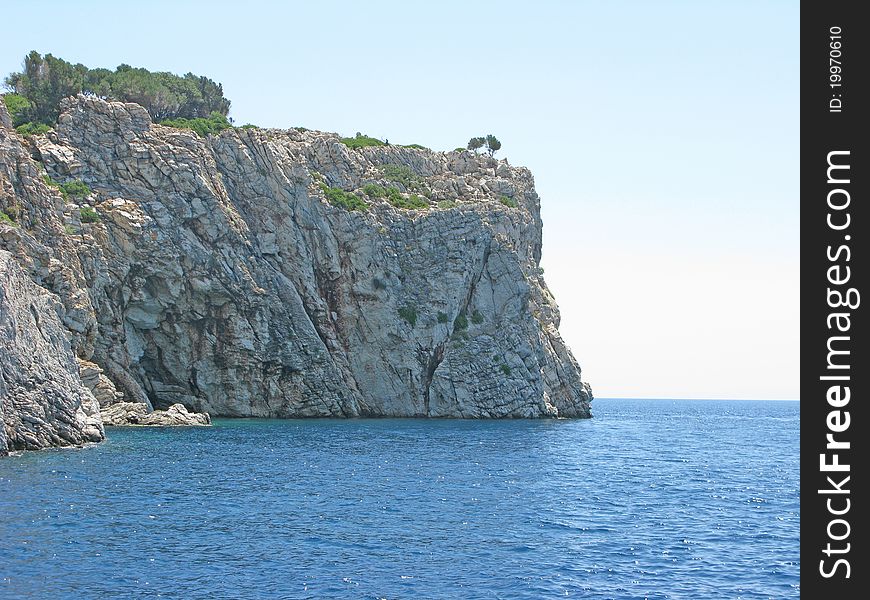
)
(648, 499)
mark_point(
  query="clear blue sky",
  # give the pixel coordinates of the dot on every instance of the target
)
(663, 137)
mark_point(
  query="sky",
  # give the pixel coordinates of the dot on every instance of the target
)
(663, 137)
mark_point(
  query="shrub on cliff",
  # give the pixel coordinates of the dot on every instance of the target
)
(374, 190)
(404, 175)
(88, 215)
(5, 218)
(411, 202)
(17, 107)
(409, 313)
(509, 202)
(361, 141)
(346, 200)
(215, 123)
(28, 129)
(75, 188)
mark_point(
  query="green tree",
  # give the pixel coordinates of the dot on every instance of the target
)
(476, 143)
(45, 81)
(492, 144)
(98, 82)
(211, 97)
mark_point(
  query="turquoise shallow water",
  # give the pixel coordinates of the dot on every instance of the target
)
(650, 499)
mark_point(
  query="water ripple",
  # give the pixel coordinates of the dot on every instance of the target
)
(651, 499)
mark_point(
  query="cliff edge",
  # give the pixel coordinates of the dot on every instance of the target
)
(280, 273)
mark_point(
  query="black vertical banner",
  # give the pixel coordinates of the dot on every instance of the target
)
(835, 370)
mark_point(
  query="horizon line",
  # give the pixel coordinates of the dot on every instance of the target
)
(700, 399)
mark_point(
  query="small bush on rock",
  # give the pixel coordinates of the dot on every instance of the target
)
(373, 190)
(28, 129)
(5, 218)
(88, 215)
(346, 200)
(75, 188)
(409, 313)
(13, 212)
(412, 202)
(17, 106)
(401, 174)
(215, 123)
(361, 141)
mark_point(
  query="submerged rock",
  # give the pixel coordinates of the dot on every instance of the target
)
(136, 413)
(227, 274)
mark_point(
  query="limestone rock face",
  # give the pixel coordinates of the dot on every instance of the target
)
(220, 278)
(126, 414)
(42, 400)
(101, 386)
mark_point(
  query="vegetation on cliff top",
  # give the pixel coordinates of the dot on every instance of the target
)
(490, 141)
(46, 80)
(361, 141)
(215, 123)
(187, 102)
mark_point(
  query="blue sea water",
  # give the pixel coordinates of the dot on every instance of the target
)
(650, 499)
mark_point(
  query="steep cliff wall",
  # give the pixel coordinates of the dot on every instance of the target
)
(42, 400)
(220, 277)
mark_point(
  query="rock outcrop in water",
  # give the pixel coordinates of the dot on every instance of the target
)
(219, 277)
(128, 414)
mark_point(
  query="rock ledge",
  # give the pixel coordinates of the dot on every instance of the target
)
(135, 414)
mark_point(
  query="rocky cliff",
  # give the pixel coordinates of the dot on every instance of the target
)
(42, 399)
(219, 276)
